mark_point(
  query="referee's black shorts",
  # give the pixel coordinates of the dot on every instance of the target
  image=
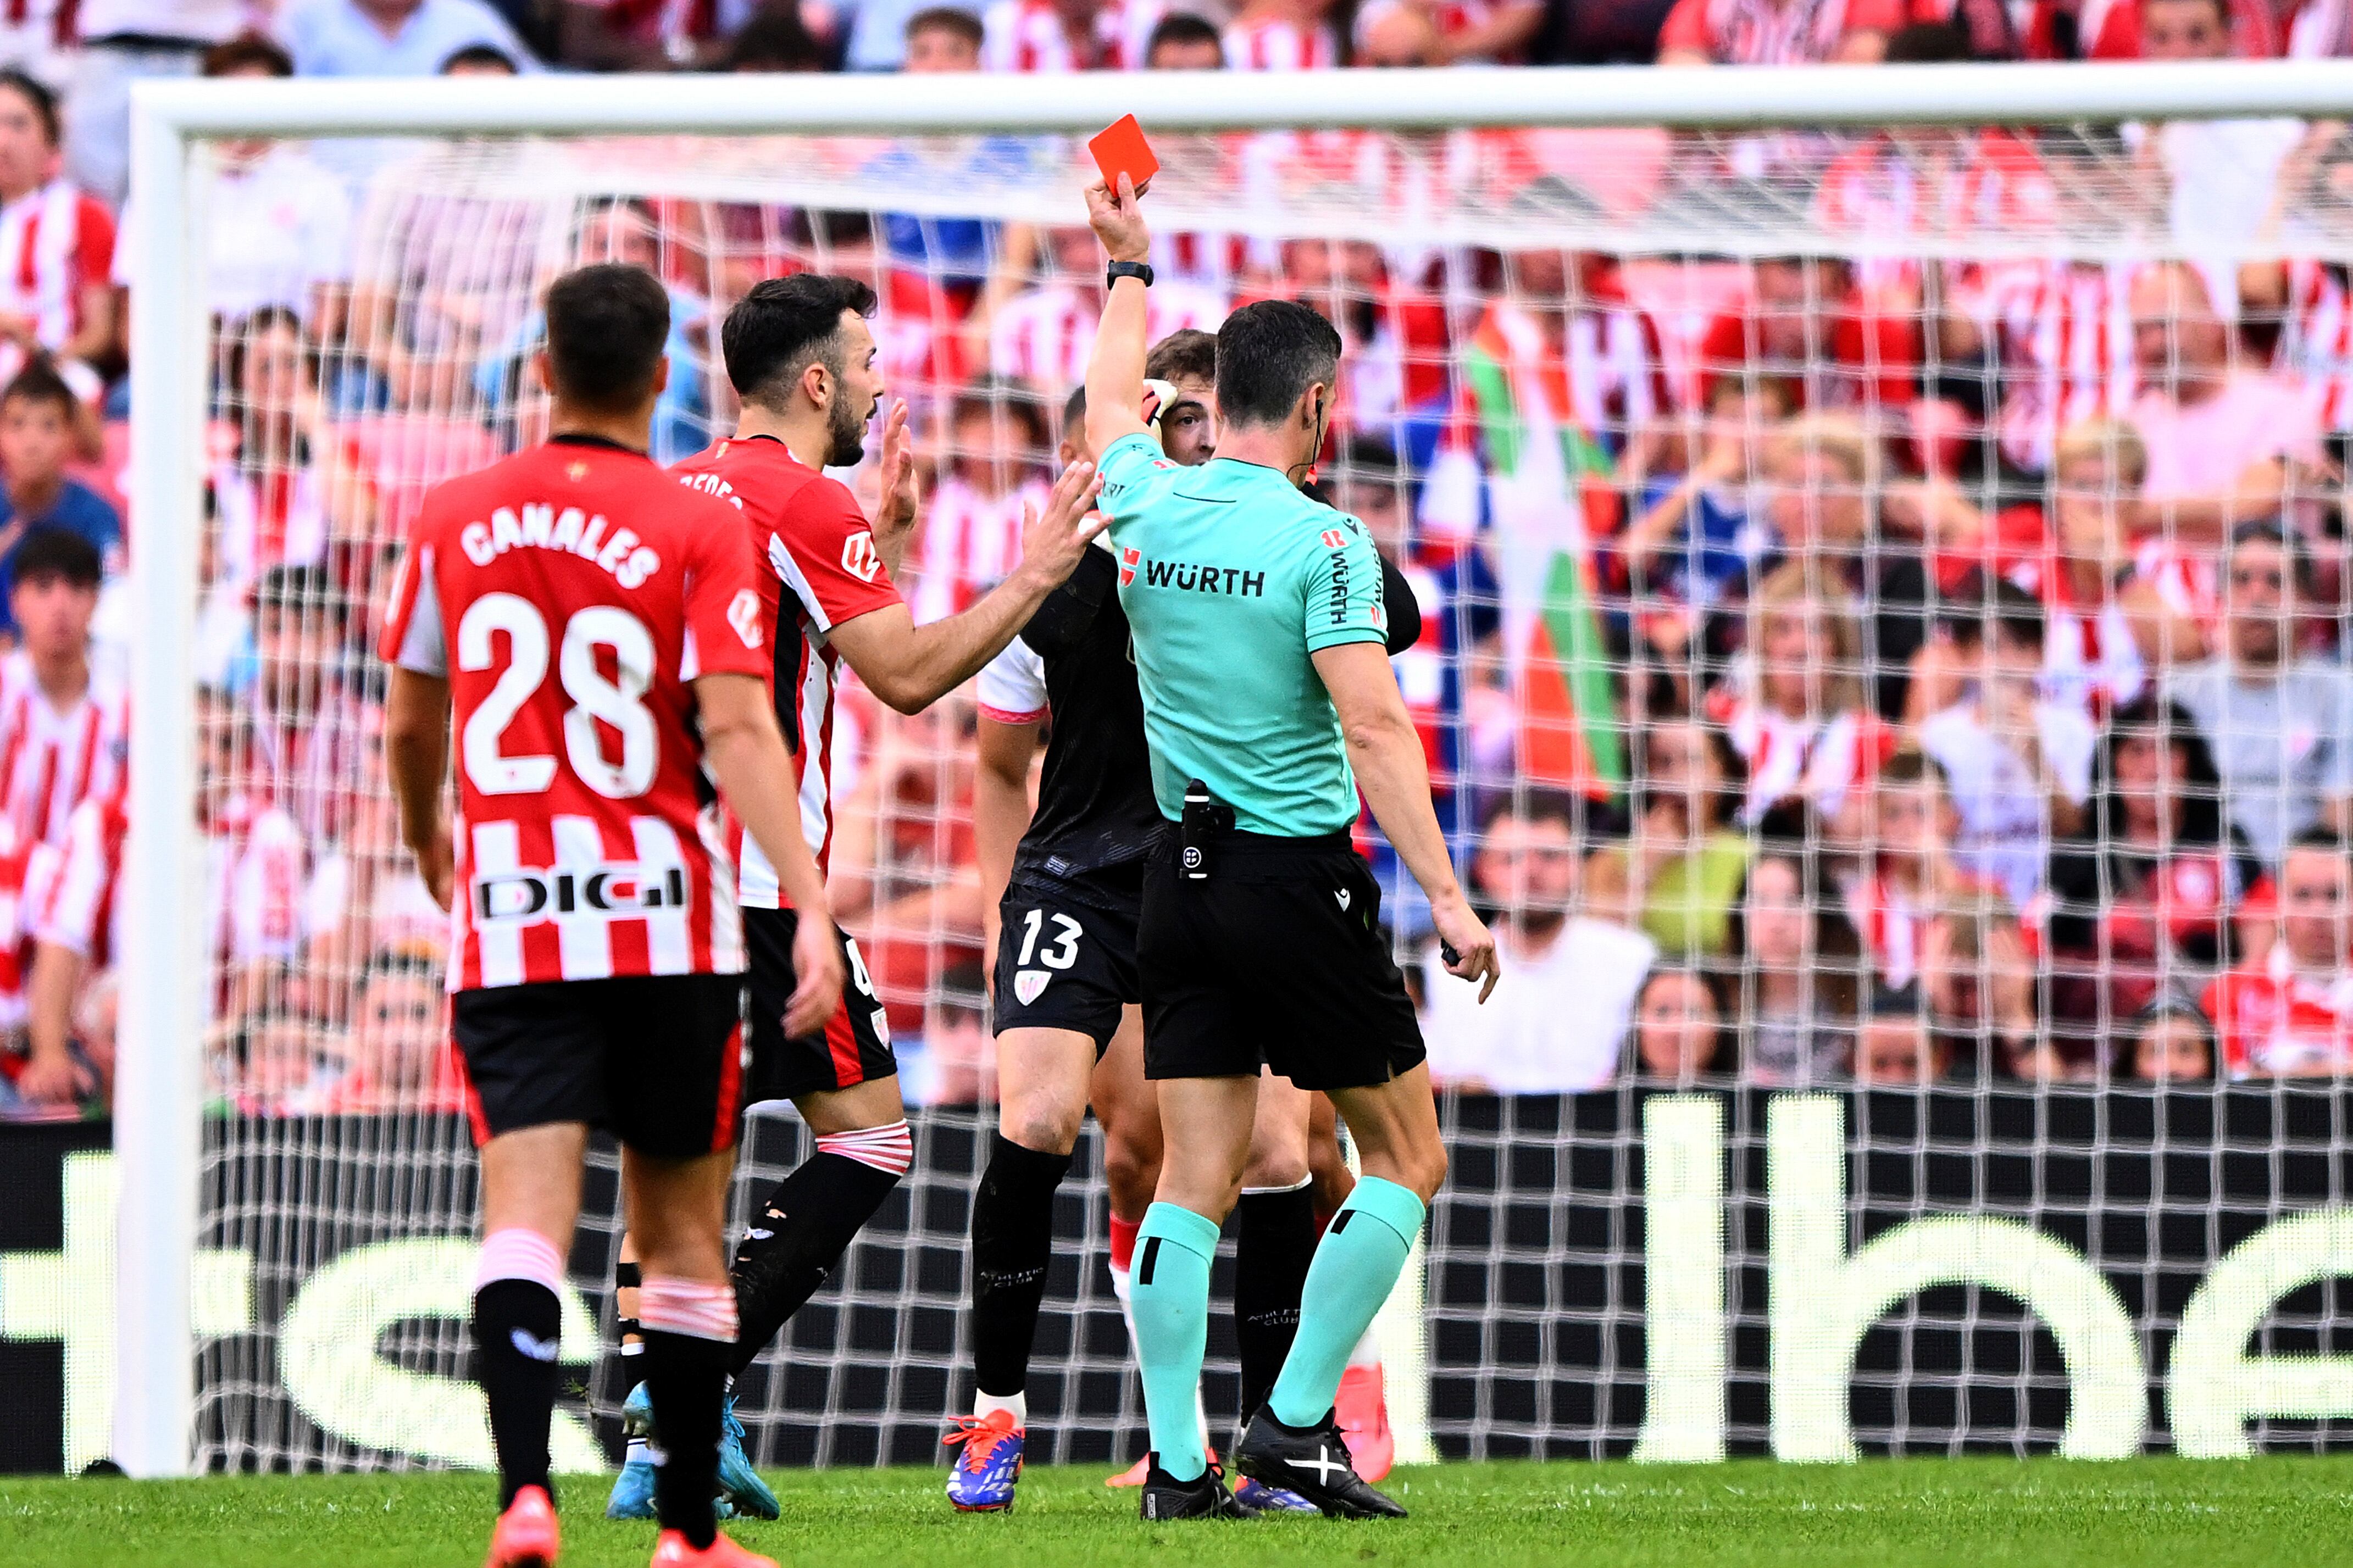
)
(1277, 957)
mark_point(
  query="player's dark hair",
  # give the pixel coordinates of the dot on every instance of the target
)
(43, 102)
(247, 51)
(782, 326)
(1185, 28)
(58, 552)
(1074, 414)
(1188, 353)
(477, 55)
(1269, 355)
(39, 383)
(607, 324)
(946, 19)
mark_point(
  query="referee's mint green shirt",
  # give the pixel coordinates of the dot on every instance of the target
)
(1230, 579)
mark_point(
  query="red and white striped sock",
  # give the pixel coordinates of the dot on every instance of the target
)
(689, 1306)
(890, 1149)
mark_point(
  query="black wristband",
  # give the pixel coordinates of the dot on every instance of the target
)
(1139, 270)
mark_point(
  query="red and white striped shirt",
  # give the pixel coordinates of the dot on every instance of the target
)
(53, 760)
(581, 594)
(2319, 342)
(1812, 759)
(1044, 335)
(1031, 36)
(55, 242)
(970, 542)
(2272, 1021)
(27, 870)
(2066, 337)
(257, 885)
(823, 568)
(1280, 43)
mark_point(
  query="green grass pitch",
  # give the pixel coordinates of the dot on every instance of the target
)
(2278, 1512)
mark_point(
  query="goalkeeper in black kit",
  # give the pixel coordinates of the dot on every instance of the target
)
(1066, 999)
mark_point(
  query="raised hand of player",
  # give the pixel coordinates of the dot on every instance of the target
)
(1117, 218)
(895, 513)
(817, 976)
(1469, 947)
(1053, 542)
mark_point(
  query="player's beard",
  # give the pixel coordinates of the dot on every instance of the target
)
(849, 433)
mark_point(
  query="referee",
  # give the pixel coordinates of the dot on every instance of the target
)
(1256, 623)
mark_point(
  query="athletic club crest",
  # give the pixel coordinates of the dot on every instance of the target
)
(1030, 983)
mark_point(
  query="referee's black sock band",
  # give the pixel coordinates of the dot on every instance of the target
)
(795, 1239)
(1274, 1241)
(516, 1327)
(1012, 1247)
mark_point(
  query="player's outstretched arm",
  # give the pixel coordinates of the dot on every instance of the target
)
(1115, 369)
(1387, 755)
(911, 666)
(746, 752)
(417, 756)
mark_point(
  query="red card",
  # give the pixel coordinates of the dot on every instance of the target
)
(1122, 150)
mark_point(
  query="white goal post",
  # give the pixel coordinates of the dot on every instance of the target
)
(159, 1092)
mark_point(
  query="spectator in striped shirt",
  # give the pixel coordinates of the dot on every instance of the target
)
(1281, 35)
(970, 536)
(57, 252)
(62, 730)
(38, 413)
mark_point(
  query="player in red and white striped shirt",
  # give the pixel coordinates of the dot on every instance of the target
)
(599, 635)
(63, 736)
(804, 365)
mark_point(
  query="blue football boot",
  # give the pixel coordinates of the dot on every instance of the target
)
(981, 1481)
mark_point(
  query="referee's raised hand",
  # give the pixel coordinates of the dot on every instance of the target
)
(1117, 218)
(1053, 542)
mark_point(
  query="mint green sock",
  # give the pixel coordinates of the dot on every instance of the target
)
(1169, 1295)
(1355, 1266)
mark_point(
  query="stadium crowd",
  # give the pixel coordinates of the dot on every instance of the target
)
(1833, 668)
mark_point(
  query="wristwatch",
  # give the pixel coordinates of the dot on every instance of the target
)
(1139, 270)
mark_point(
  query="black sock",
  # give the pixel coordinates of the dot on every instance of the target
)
(797, 1237)
(1274, 1239)
(1012, 1244)
(516, 1327)
(629, 1364)
(687, 1378)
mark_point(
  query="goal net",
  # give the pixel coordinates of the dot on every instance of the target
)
(1883, 597)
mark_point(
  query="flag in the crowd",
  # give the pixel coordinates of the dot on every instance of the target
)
(1552, 494)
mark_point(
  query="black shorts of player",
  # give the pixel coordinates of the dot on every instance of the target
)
(1277, 956)
(853, 1048)
(1066, 955)
(656, 1060)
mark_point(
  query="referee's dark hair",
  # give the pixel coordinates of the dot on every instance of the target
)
(607, 324)
(1269, 355)
(785, 325)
